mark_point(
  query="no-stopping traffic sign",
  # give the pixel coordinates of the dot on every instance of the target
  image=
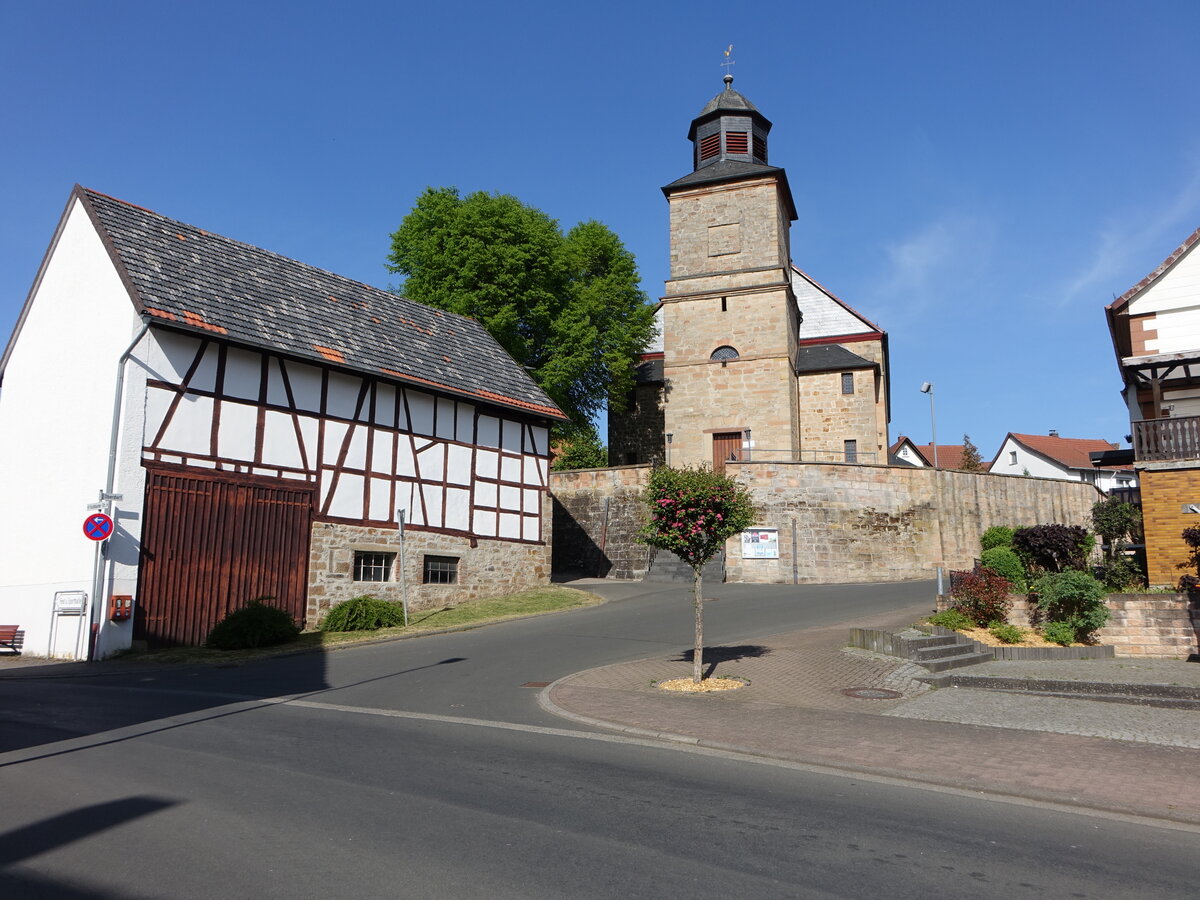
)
(97, 527)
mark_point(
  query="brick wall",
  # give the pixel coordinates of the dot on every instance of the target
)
(488, 569)
(877, 523)
(597, 513)
(1165, 492)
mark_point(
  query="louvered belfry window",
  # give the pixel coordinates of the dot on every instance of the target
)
(737, 142)
(710, 146)
(760, 149)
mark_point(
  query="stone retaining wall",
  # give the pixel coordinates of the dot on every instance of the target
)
(865, 523)
(597, 514)
(1151, 626)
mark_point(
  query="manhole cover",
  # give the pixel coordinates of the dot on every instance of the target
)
(872, 693)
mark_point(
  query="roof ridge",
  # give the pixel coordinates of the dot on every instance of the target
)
(1160, 270)
(276, 254)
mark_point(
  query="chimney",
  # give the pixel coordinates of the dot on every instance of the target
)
(1053, 432)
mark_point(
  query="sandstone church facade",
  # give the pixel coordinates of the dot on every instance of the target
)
(754, 358)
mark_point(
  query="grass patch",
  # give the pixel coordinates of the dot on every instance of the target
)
(467, 614)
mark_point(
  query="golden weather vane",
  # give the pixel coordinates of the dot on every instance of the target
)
(728, 62)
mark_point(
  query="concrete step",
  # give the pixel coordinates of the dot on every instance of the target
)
(942, 651)
(972, 658)
(1165, 696)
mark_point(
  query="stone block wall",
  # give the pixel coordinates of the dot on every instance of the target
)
(1165, 493)
(864, 523)
(597, 513)
(486, 568)
(1150, 626)
(638, 431)
(718, 228)
(829, 418)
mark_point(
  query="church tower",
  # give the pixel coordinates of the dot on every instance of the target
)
(729, 318)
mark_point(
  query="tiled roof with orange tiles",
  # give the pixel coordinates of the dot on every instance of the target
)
(203, 282)
(1070, 452)
(949, 456)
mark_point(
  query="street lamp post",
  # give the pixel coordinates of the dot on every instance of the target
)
(670, 437)
(927, 388)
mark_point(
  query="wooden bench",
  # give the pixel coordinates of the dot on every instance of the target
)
(12, 637)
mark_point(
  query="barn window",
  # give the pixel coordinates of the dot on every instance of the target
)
(370, 566)
(440, 570)
(724, 354)
(847, 382)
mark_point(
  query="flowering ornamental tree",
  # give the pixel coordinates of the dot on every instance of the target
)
(692, 512)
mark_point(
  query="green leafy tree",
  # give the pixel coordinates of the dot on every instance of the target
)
(971, 460)
(582, 450)
(692, 512)
(567, 307)
(1115, 521)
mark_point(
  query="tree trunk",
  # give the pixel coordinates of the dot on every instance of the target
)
(698, 653)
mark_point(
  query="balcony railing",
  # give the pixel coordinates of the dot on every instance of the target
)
(1167, 438)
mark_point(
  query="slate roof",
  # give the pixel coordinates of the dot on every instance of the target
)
(728, 99)
(725, 170)
(193, 280)
(829, 357)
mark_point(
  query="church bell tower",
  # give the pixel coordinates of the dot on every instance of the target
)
(729, 315)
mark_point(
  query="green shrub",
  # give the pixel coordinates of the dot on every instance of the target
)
(1005, 563)
(1059, 633)
(1053, 548)
(980, 596)
(1116, 522)
(254, 625)
(365, 613)
(1122, 573)
(996, 536)
(1074, 598)
(1005, 633)
(950, 618)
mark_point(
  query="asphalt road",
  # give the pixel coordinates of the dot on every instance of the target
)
(423, 768)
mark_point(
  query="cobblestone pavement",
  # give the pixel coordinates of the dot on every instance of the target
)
(1115, 721)
(1008, 744)
(1118, 671)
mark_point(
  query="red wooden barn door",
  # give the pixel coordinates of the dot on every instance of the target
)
(210, 544)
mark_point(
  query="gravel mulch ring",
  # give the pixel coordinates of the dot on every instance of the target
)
(706, 686)
(1032, 638)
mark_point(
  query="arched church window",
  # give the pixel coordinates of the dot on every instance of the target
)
(724, 354)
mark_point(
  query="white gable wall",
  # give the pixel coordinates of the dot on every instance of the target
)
(823, 316)
(1175, 299)
(55, 418)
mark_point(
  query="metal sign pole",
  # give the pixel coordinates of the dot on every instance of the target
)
(403, 580)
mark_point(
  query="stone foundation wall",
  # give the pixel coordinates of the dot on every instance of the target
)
(597, 513)
(1150, 626)
(486, 568)
(864, 523)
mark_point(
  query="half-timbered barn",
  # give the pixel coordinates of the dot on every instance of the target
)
(255, 427)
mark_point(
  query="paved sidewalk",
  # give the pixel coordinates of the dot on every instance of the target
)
(1107, 756)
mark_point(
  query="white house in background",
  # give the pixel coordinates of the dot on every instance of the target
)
(1051, 456)
(262, 422)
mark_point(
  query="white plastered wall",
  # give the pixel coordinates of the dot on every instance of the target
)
(1175, 299)
(55, 417)
(1037, 466)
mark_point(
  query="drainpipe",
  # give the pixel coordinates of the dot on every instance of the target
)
(106, 496)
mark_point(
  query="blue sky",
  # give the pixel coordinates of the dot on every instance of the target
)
(980, 179)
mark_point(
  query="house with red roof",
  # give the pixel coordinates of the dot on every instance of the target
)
(947, 456)
(1052, 456)
(232, 424)
(1155, 331)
